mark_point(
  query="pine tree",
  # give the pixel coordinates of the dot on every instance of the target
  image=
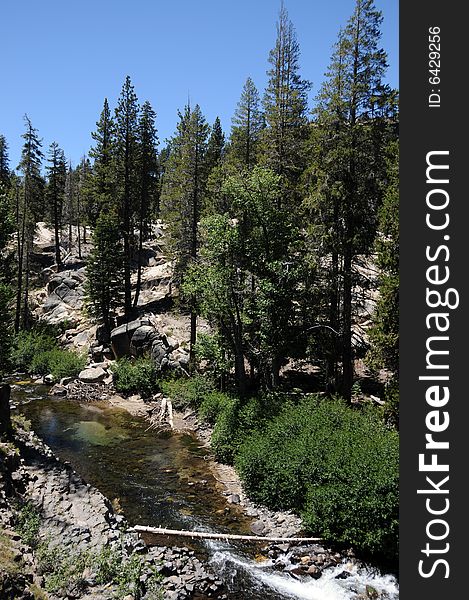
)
(215, 147)
(101, 182)
(348, 139)
(285, 106)
(56, 171)
(105, 269)
(183, 192)
(28, 202)
(126, 119)
(147, 170)
(4, 162)
(247, 126)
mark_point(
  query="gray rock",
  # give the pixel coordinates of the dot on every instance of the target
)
(233, 499)
(258, 527)
(92, 375)
(122, 335)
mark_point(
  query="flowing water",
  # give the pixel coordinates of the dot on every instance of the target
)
(164, 480)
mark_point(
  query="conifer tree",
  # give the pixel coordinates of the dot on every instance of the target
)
(384, 333)
(56, 172)
(4, 162)
(126, 122)
(105, 269)
(183, 192)
(247, 125)
(147, 171)
(215, 147)
(28, 201)
(101, 182)
(285, 106)
(348, 140)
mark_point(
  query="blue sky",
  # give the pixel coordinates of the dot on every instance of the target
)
(61, 59)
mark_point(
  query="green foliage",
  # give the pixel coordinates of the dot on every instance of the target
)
(209, 348)
(105, 269)
(28, 522)
(27, 346)
(188, 392)
(213, 404)
(237, 419)
(6, 295)
(59, 363)
(63, 570)
(36, 351)
(337, 465)
(138, 376)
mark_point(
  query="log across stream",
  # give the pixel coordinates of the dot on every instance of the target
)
(163, 481)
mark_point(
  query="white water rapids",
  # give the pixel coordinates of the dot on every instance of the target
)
(263, 579)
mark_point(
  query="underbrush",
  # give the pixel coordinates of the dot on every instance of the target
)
(138, 376)
(37, 352)
(336, 465)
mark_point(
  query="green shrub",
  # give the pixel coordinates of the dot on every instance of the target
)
(237, 419)
(336, 465)
(188, 391)
(137, 376)
(59, 363)
(27, 346)
(212, 405)
(28, 522)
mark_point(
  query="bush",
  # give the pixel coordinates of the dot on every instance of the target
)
(28, 346)
(238, 418)
(188, 392)
(212, 406)
(137, 376)
(59, 363)
(336, 465)
(28, 523)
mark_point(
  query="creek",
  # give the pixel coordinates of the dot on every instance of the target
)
(165, 480)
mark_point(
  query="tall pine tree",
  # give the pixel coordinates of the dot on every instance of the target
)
(285, 107)
(147, 173)
(28, 202)
(56, 173)
(126, 121)
(348, 140)
(183, 193)
(247, 125)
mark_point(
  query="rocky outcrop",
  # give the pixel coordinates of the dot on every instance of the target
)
(141, 337)
(65, 297)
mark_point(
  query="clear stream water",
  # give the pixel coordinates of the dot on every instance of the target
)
(164, 480)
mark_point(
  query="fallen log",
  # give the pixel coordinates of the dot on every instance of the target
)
(220, 536)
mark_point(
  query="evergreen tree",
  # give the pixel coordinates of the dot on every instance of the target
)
(105, 269)
(215, 147)
(247, 125)
(56, 171)
(6, 292)
(126, 119)
(28, 202)
(147, 166)
(4, 162)
(101, 182)
(348, 141)
(183, 192)
(285, 106)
